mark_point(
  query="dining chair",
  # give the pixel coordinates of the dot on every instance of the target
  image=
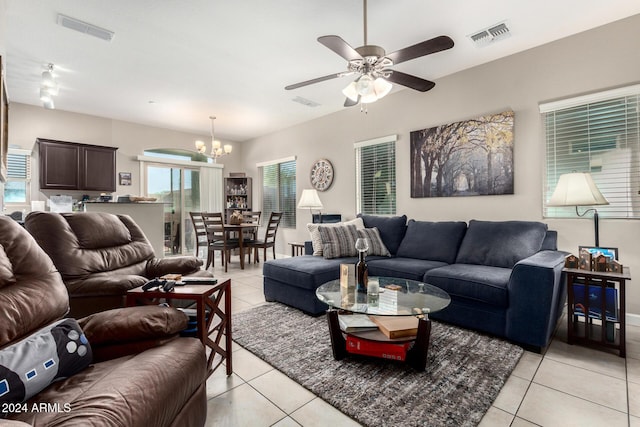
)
(218, 239)
(200, 232)
(251, 217)
(269, 240)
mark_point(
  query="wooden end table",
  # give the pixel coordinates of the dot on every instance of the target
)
(585, 287)
(297, 248)
(206, 296)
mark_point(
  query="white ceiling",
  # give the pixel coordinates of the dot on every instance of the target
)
(173, 63)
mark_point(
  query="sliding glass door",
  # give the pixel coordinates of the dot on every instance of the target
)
(179, 189)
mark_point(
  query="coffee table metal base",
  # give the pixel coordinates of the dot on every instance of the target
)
(416, 355)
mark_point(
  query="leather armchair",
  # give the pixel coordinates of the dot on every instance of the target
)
(142, 372)
(101, 256)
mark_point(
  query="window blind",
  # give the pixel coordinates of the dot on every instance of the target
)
(279, 191)
(599, 136)
(18, 176)
(376, 176)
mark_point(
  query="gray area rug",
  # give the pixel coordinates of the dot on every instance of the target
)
(465, 370)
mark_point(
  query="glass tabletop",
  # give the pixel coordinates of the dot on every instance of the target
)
(394, 297)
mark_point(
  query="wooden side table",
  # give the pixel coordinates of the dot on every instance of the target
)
(208, 297)
(297, 248)
(594, 293)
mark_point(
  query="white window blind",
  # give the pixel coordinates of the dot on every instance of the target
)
(279, 191)
(376, 176)
(16, 188)
(598, 134)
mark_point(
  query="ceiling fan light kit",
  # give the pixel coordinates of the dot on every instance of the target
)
(372, 66)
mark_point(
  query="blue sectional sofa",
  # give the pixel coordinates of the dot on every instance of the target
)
(504, 278)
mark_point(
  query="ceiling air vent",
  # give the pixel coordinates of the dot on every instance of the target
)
(304, 101)
(489, 35)
(84, 27)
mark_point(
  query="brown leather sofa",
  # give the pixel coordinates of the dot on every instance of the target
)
(101, 256)
(141, 373)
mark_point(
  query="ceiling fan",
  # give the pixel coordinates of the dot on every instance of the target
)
(373, 66)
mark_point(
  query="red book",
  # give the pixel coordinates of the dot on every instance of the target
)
(384, 350)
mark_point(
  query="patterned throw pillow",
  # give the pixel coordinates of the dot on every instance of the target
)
(339, 241)
(316, 238)
(31, 364)
(376, 246)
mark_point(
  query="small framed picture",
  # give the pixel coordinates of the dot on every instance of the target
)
(596, 250)
(125, 178)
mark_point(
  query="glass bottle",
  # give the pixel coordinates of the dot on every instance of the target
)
(362, 273)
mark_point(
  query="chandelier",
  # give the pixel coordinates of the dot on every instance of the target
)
(217, 150)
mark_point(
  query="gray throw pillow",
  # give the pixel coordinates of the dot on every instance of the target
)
(391, 228)
(500, 244)
(339, 241)
(376, 246)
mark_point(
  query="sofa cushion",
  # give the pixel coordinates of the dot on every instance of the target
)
(473, 282)
(316, 238)
(500, 244)
(28, 366)
(305, 271)
(405, 268)
(376, 245)
(339, 241)
(435, 241)
(391, 229)
(99, 230)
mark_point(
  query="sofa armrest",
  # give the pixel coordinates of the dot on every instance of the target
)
(116, 333)
(157, 267)
(537, 293)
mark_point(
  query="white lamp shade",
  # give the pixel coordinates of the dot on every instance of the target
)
(382, 87)
(351, 92)
(576, 189)
(310, 200)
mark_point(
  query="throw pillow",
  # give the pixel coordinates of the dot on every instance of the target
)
(339, 241)
(391, 228)
(500, 243)
(376, 246)
(28, 366)
(316, 239)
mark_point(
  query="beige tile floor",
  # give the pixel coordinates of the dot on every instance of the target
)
(567, 386)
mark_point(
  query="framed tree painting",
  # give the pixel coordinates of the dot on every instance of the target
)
(468, 158)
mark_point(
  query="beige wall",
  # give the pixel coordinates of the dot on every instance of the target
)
(28, 122)
(599, 59)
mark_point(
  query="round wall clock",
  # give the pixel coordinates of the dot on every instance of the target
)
(322, 174)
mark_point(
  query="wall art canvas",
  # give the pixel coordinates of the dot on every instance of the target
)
(468, 158)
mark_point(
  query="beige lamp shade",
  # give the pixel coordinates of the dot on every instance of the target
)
(310, 200)
(576, 189)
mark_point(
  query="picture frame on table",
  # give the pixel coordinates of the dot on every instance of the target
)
(595, 250)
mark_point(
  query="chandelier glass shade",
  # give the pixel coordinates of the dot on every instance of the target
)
(217, 149)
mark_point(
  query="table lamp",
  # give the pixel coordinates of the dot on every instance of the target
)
(578, 189)
(309, 199)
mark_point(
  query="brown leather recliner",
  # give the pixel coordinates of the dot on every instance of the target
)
(101, 256)
(142, 373)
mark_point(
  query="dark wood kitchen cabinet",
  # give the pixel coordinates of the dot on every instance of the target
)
(74, 166)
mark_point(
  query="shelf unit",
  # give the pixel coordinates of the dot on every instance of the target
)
(596, 292)
(237, 195)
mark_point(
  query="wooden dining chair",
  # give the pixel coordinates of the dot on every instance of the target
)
(218, 239)
(269, 240)
(200, 232)
(251, 217)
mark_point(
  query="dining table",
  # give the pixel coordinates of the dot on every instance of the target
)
(240, 229)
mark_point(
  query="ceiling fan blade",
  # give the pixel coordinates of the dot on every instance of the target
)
(312, 81)
(426, 47)
(340, 47)
(348, 102)
(412, 82)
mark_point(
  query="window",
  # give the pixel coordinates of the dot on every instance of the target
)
(279, 190)
(597, 134)
(376, 176)
(16, 189)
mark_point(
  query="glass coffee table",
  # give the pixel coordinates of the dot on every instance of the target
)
(394, 297)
